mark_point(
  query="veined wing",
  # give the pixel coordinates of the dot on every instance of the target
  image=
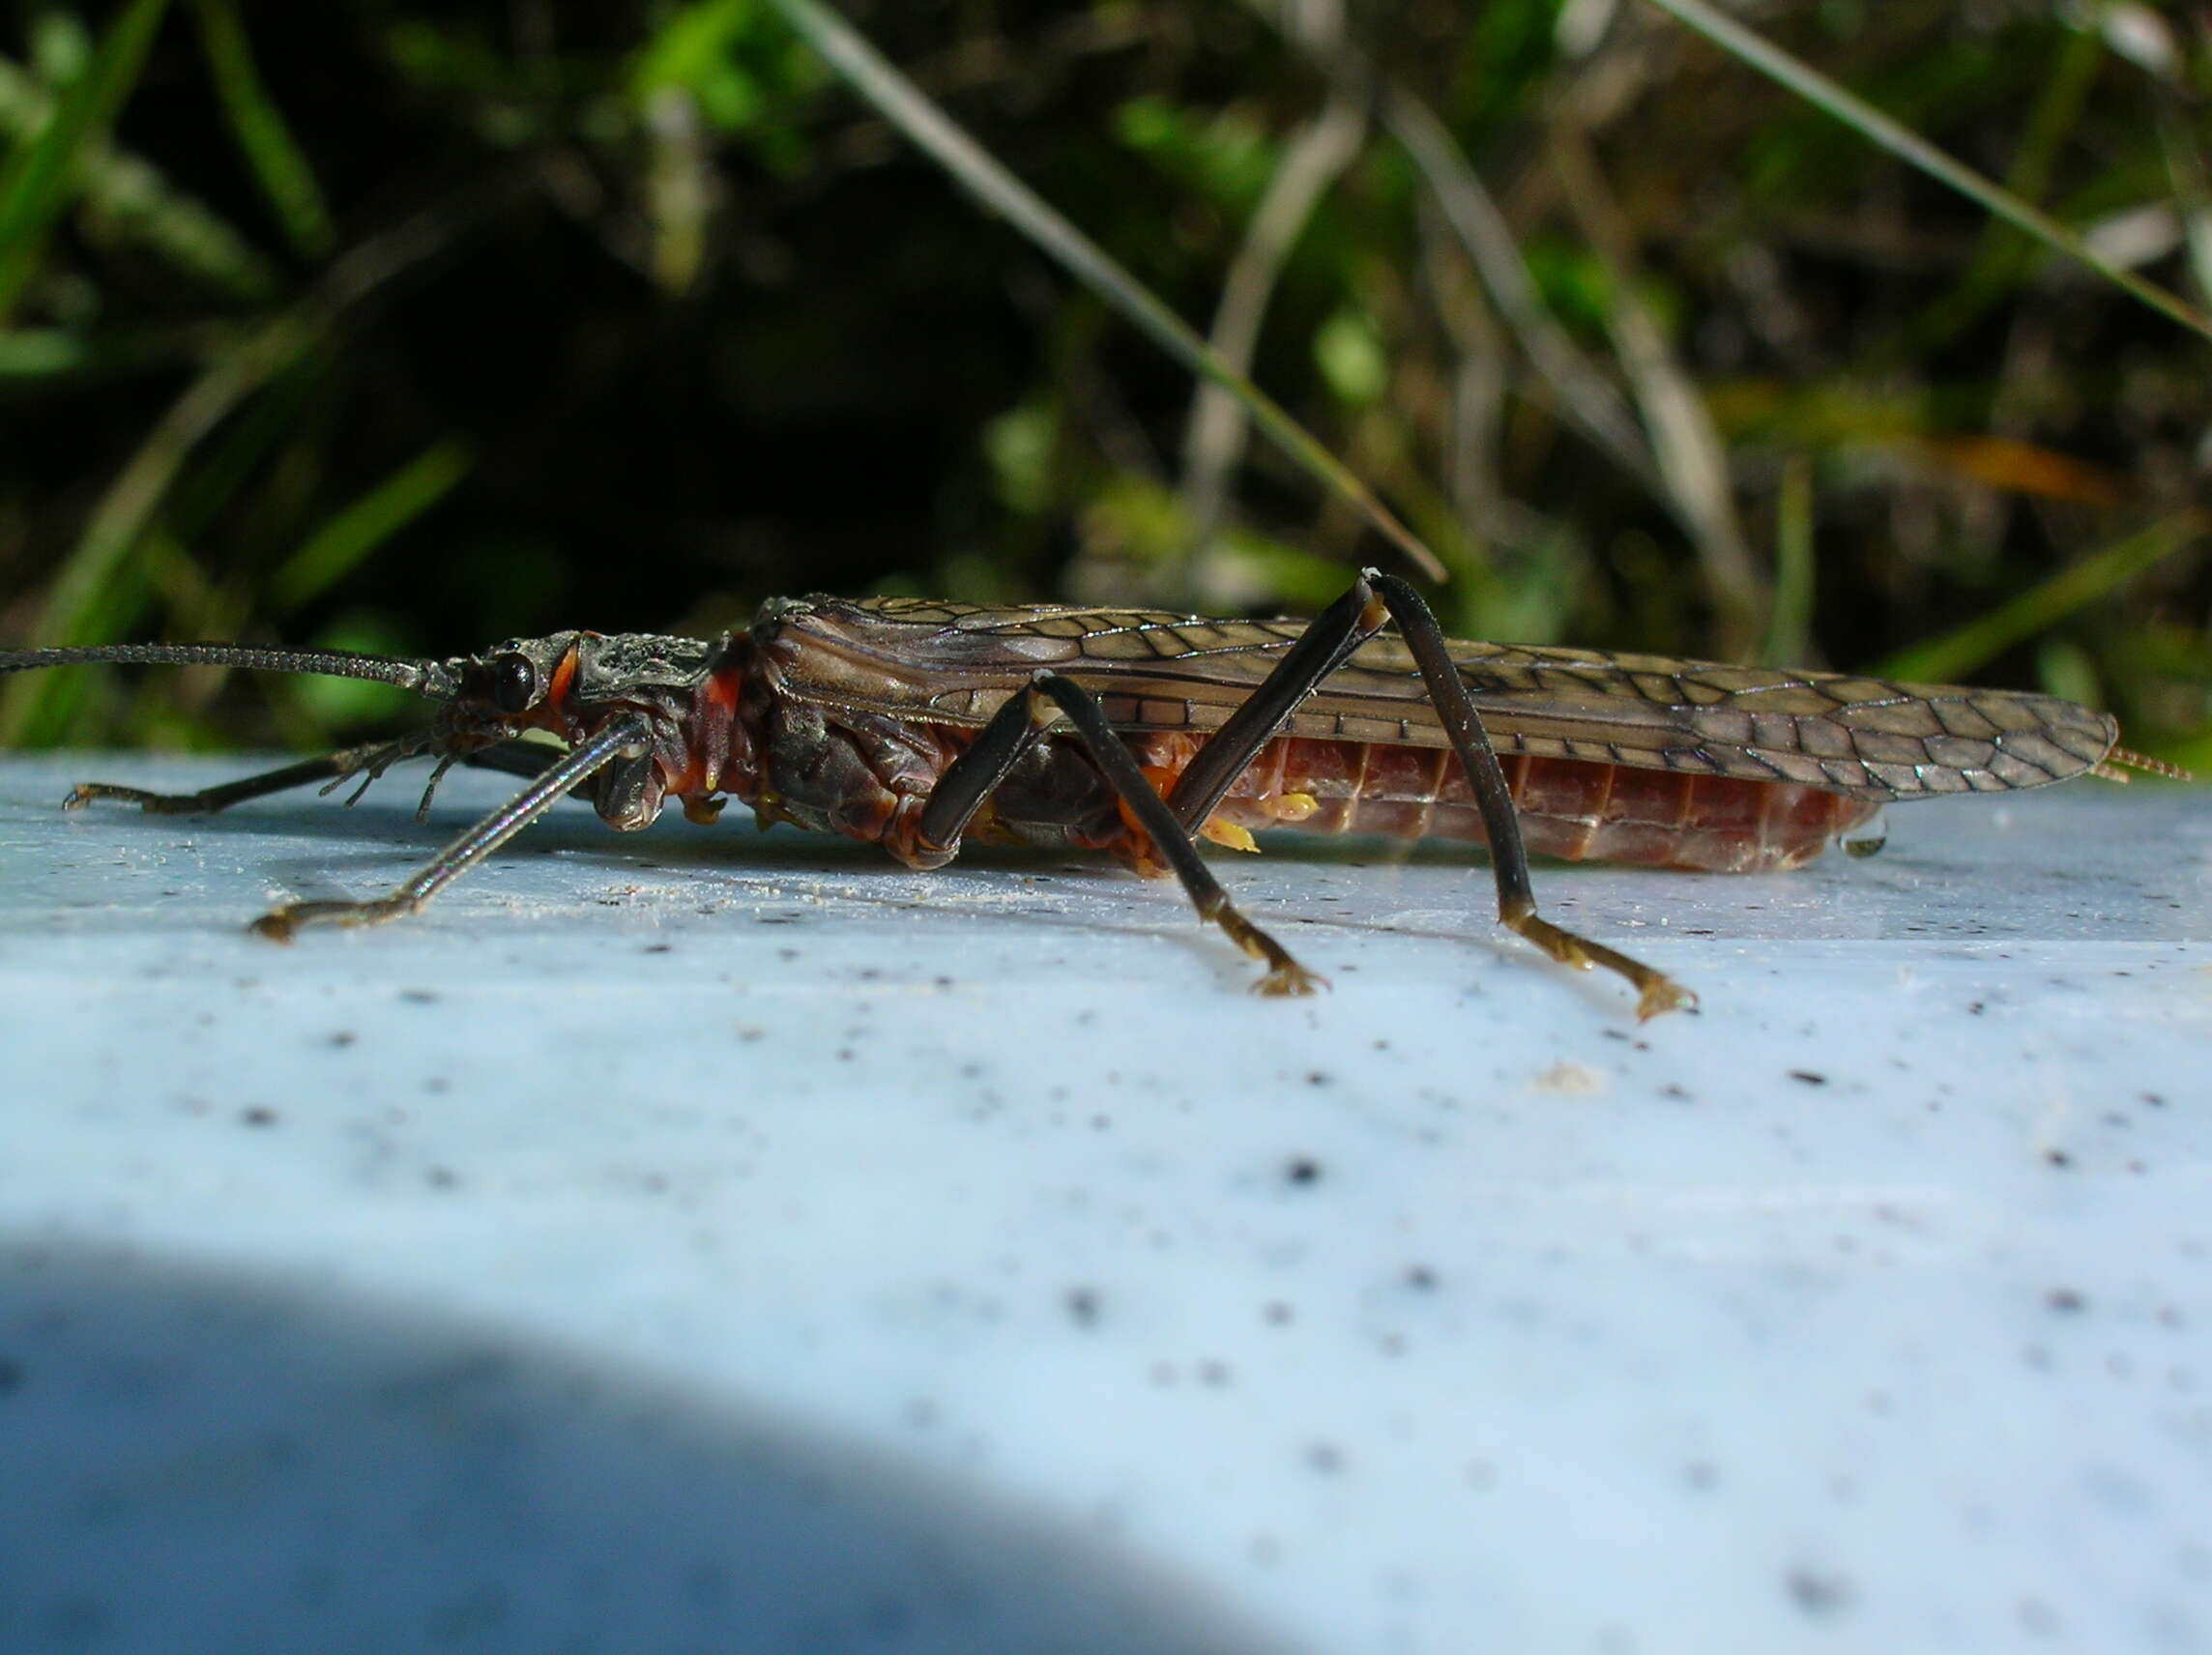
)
(957, 663)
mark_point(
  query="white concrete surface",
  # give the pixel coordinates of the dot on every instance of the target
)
(708, 1240)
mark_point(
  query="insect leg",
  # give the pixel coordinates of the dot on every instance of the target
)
(1336, 631)
(470, 848)
(525, 759)
(961, 792)
(975, 774)
(331, 766)
(1324, 646)
(1655, 992)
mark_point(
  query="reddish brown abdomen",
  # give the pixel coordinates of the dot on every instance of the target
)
(1568, 808)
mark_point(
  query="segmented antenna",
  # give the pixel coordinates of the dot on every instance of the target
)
(429, 677)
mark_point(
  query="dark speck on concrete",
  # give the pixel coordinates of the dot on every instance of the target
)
(2036, 1617)
(1809, 1077)
(1819, 1592)
(343, 1038)
(418, 997)
(1420, 1277)
(1276, 1314)
(441, 1177)
(1327, 1458)
(1083, 1307)
(257, 1116)
(2058, 1158)
(2066, 1300)
(1302, 1169)
(658, 948)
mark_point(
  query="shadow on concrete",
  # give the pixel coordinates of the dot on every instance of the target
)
(194, 1460)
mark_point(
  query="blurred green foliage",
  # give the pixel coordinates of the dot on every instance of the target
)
(409, 327)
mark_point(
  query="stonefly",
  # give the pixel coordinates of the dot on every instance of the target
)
(912, 724)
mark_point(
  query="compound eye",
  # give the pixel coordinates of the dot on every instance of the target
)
(513, 683)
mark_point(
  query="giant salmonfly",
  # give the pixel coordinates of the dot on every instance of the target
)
(912, 724)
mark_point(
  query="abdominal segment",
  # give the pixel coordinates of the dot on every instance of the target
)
(1568, 808)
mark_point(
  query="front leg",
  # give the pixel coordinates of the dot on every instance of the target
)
(570, 771)
(331, 769)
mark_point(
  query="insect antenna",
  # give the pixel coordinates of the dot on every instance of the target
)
(427, 678)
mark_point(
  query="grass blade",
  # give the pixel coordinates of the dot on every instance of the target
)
(138, 202)
(1586, 396)
(1909, 146)
(1312, 160)
(1789, 619)
(359, 528)
(32, 708)
(1961, 652)
(42, 177)
(1693, 462)
(259, 124)
(899, 101)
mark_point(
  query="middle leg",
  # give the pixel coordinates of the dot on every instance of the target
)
(1018, 725)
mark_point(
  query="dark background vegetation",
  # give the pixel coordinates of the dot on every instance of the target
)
(412, 327)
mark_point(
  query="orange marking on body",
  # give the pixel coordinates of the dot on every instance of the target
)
(1220, 831)
(564, 680)
(716, 708)
(1136, 847)
(550, 715)
(721, 688)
